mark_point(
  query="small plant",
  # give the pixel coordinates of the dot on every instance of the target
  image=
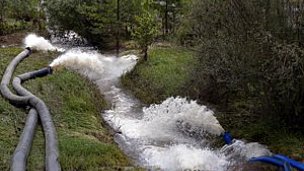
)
(146, 27)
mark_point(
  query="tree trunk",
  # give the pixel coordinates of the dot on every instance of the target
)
(117, 27)
(145, 52)
(267, 15)
(2, 6)
(166, 18)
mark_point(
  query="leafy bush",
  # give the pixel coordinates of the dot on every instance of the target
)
(20, 15)
(284, 83)
(13, 26)
(250, 52)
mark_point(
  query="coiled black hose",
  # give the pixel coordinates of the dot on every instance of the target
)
(52, 152)
(38, 106)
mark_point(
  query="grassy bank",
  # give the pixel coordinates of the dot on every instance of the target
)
(75, 105)
(162, 76)
(167, 73)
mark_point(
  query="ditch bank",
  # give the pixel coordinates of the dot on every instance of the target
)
(84, 141)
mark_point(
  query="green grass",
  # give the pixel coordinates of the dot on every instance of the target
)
(75, 105)
(162, 76)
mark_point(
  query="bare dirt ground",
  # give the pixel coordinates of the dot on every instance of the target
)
(13, 39)
(16, 39)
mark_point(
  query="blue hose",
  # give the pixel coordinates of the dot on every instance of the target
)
(273, 161)
(293, 163)
(278, 160)
(227, 138)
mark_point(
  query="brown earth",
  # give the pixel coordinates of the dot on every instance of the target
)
(14, 39)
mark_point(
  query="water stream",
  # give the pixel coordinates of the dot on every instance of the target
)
(174, 135)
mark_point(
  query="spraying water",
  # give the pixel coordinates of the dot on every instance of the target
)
(68, 39)
(39, 43)
(78, 61)
(174, 135)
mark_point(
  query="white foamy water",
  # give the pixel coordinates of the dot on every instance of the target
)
(78, 61)
(185, 157)
(39, 43)
(174, 135)
(68, 39)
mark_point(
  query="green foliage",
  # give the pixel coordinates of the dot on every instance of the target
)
(128, 10)
(12, 26)
(93, 20)
(75, 105)
(250, 52)
(98, 21)
(26, 10)
(284, 83)
(146, 28)
(19, 15)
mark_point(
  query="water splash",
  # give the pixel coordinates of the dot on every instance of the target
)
(174, 118)
(183, 157)
(92, 64)
(88, 64)
(68, 39)
(39, 43)
(241, 149)
(172, 136)
(190, 116)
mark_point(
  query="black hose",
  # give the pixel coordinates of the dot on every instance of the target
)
(25, 142)
(34, 74)
(28, 99)
(5, 91)
(52, 152)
